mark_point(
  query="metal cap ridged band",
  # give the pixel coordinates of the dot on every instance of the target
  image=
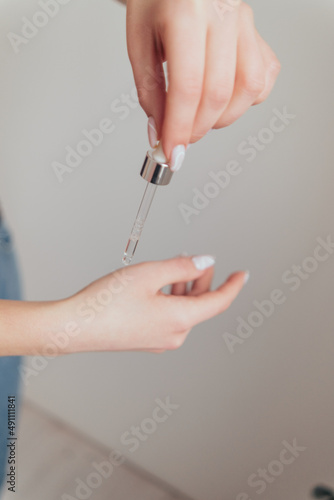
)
(159, 174)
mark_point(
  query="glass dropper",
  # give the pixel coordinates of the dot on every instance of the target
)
(156, 172)
(139, 223)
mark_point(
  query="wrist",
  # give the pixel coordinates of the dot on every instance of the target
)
(24, 326)
(63, 330)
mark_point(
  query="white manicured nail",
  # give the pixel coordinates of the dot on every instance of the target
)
(177, 158)
(152, 132)
(159, 155)
(247, 276)
(203, 262)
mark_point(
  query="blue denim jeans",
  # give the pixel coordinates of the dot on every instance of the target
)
(9, 366)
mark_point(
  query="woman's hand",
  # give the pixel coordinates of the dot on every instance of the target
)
(218, 66)
(124, 311)
(127, 311)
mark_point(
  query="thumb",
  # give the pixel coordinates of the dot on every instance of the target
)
(147, 71)
(179, 269)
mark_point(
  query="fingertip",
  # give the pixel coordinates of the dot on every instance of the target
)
(152, 132)
(238, 276)
(202, 262)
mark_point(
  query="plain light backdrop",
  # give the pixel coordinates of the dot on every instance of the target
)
(235, 409)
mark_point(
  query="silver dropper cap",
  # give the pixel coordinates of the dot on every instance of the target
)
(156, 171)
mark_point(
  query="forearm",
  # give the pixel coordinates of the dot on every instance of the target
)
(27, 327)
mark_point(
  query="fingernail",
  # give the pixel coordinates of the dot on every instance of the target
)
(247, 275)
(203, 262)
(152, 132)
(177, 158)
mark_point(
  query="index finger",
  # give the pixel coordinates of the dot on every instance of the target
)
(184, 42)
(203, 307)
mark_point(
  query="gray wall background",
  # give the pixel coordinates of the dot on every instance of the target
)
(235, 409)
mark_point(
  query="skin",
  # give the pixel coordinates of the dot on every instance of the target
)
(218, 65)
(137, 317)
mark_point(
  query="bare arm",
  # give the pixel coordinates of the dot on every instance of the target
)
(124, 311)
(24, 326)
